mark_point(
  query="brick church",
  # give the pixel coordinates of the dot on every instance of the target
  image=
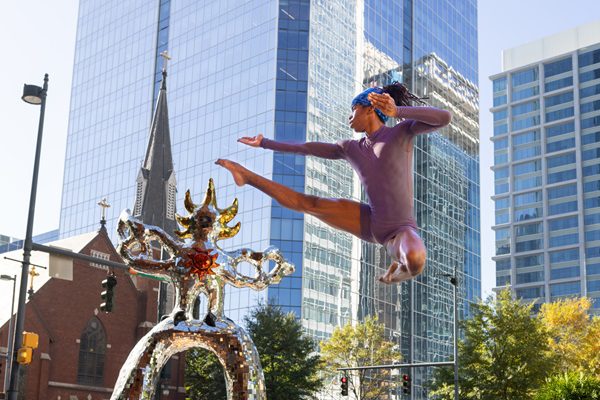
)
(82, 349)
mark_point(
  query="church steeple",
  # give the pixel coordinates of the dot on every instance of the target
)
(156, 184)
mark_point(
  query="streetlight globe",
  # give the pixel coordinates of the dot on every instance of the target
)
(32, 94)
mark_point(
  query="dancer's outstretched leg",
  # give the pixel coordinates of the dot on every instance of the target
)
(339, 213)
(409, 255)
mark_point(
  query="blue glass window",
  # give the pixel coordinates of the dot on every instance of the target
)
(563, 159)
(500, 188)
(528, 229)
(560, 129)
(563, 240)
(594, 202)
(501, 217)
(559, 99)
(501, 203)
(526, 138)
(528, 198)
(591, 269)
(589, 58)
(592, 252)
(523, 77)
(499, 100)
(564, 256)
(529, 261)
(565, 289)
(591, 236)
(500, 144)
(499, 84)
(526, 152)
(500, 129)
(590, 122)
(562, 191)
(591, 170)
(590, 154)
(502, 114)
(560, 114)
(590, 138)
(562, 208)
(528, 277)
(528, 213)
(558, 84)
(589, 91)
(527, 167)
(558, 67)
(590, 75)
(530, 293)
(561, 273)
(525, 108)
(525, 123)
(500, 173)
(592, 219)
(500, 158)
(593, 286)
(562, 176)
(529, 245)
(525, 93)
(503, 265)
(503, 280)
(560, 145)
(524, 183)
(589, 107)
(563, 223)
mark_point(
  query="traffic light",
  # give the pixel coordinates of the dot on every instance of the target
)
(406, 384)
(24, 355)
(108, 294)
(30, 342)
(344, 382)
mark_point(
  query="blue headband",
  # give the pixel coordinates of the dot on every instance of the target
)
(363, 100)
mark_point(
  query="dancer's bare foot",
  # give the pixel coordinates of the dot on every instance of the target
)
(238, 172)
(386, 278)
(396, 273)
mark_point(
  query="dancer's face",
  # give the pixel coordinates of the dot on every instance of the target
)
(360, 117)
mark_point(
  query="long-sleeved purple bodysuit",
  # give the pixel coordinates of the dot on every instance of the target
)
(383, 162)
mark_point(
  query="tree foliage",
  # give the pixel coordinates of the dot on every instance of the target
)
(287, 356)
(204, 377)
(504, 354)
(570, 386)
(361, 345)
(574, 337)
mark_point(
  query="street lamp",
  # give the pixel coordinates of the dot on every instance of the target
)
(11, 331)
(33, 95)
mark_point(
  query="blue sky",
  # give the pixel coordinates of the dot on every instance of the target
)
(47, 42)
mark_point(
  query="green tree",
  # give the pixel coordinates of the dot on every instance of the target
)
(570, 386)
(574, 335)
(361, 345)
(287, 356)
(504, 354)
(204, 376)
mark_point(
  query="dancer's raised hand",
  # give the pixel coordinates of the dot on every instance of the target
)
(252, 141)
(384, 103)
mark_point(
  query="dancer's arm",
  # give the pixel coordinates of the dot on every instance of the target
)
(332, 151)
(424, 119)
(419, 119)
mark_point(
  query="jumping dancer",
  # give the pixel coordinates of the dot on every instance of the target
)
(383, 161)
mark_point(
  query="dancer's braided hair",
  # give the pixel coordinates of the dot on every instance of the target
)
(401, 95)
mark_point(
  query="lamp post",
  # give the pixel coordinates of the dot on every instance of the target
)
(11, 331)
(33, 95)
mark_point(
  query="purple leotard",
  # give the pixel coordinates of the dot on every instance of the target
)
(383, 162)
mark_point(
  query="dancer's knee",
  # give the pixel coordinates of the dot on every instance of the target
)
(416, 261)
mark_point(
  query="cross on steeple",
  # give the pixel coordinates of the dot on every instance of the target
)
(104, 206)
(166, 57)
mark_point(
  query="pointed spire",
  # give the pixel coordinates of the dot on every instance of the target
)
(155, 200)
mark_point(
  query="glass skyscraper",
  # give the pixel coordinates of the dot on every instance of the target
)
(547, 167)
(288, 69)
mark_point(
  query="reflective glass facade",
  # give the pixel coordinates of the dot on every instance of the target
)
(289, 69)
(550, 249)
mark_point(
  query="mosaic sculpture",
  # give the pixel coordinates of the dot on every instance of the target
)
(196, 265)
